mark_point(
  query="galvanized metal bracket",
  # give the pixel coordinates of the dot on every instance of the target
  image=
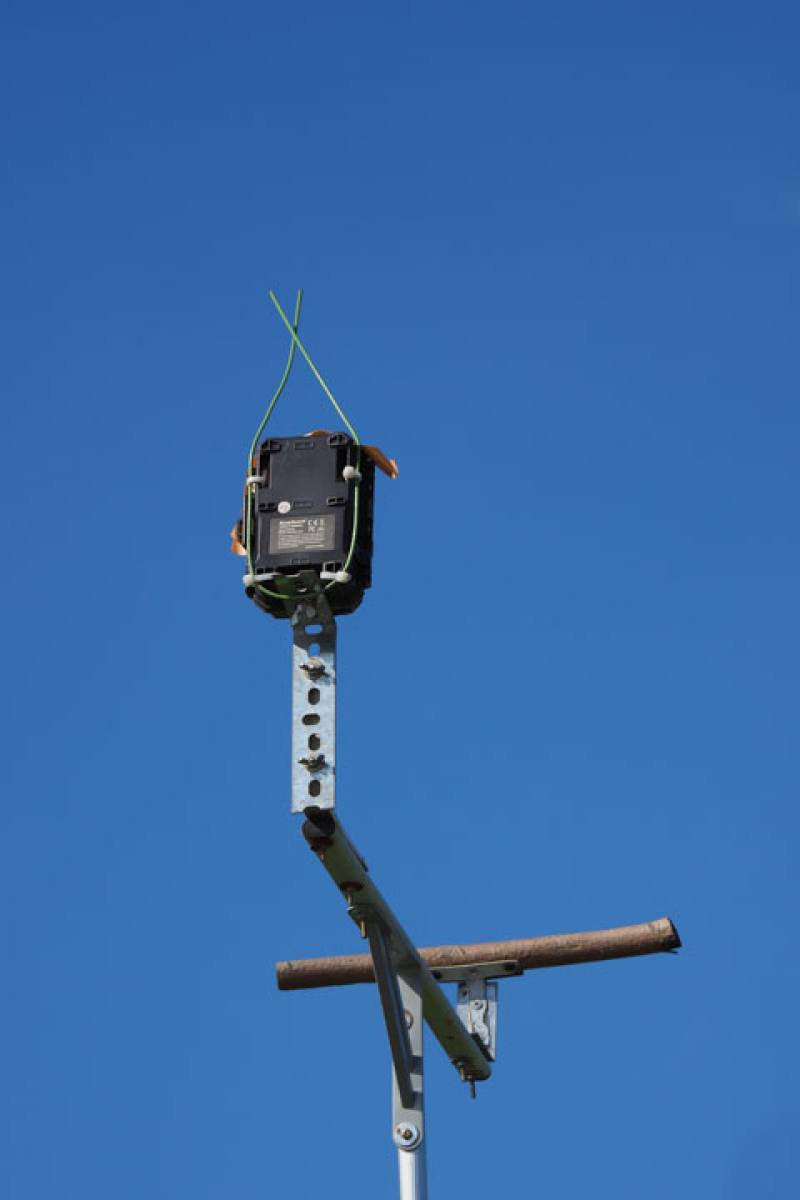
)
(477, 1008)
(477, 998)
(502, 969)
(313, 705)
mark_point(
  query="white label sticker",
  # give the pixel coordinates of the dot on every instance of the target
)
(301, 533)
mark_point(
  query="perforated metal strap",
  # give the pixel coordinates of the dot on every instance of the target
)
(313, 706)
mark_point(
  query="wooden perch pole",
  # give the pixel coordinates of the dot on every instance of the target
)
(555, 950)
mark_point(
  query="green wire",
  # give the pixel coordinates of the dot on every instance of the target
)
(260, 430)
(297, 344)
(293, 327)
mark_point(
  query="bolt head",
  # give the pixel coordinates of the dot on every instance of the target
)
(407, 1135)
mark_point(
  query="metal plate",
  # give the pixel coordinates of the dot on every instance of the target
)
(313, 707)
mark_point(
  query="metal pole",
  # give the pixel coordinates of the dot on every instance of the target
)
(413, 1174)
(408, 1120)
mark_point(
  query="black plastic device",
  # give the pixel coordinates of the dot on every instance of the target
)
(302, 521)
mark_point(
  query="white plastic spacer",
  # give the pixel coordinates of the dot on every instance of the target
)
(264, 577)
(352, 473)
(254, 479)
(343, 577)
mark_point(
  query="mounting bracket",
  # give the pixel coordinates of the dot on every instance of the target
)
(313, 705)
(478, 999)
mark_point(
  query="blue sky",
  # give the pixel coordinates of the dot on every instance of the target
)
(550, 259)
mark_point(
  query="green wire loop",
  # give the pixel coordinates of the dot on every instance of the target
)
(284, 379)
(296, 344)
(278, 391)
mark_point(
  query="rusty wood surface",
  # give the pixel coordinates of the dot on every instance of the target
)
(555, 950)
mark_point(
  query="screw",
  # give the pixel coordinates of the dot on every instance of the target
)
(313, 668)
(314, 762)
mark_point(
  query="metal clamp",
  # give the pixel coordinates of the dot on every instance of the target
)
(477, 999)
(477, 1008)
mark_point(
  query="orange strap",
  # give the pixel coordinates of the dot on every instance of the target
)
(236, 542)
(387, 465)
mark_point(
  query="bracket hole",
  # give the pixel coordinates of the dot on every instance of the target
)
(313, 649)
(313, 695)
(313, 629)
(314, 742)
(314, 788)
(311, 719)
